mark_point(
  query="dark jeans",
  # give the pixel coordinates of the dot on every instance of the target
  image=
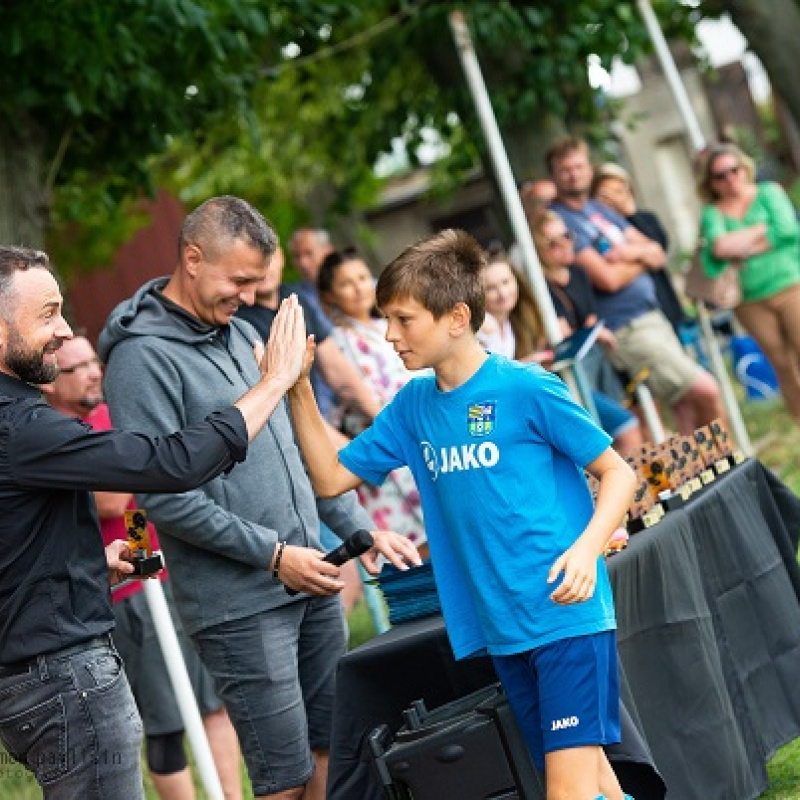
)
(70, 718)
(275, 672)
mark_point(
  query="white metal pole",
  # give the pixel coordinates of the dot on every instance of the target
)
(513, 203)
(672, 75)
(718, 367)
(698, 141)
(645, 400)
(181, 685)
(505, 177)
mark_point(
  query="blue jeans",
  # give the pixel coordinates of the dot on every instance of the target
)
(70, 718)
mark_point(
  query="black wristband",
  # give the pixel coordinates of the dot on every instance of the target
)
(278, 554)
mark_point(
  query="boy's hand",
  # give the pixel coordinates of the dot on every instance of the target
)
(303, 570)
(607, 338)
(396, 548)
(308, 357)
(579, 567)
(286, 348)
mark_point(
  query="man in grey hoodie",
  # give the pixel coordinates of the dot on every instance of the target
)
(175, 352)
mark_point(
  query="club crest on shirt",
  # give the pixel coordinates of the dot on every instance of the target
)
(481, 419)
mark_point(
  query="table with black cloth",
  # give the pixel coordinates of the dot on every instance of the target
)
(708, 607)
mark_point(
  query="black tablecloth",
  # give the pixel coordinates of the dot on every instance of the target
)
(708, 604)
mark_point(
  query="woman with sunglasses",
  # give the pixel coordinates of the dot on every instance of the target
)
(570, 288)
(753, 228)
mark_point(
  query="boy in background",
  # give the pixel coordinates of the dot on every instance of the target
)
(498, 449)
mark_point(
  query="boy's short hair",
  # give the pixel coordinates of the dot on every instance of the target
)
(438, 272)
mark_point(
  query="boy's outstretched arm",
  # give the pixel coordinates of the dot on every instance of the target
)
(579, 562)
(329, 476)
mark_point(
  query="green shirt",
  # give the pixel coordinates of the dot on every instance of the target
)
(768, 273)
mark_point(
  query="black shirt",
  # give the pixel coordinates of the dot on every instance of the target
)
(650, 225)
(576, 301)
(261, 318)
(54, 589)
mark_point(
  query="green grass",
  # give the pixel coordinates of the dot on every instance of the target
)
(360, 624)
(777, 442)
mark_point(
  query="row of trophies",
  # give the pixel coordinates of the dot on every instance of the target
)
(669, 473)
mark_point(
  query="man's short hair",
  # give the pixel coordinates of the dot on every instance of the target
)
(221, 221)
(320, 234)
(438, 272)
(562, 148)
(13, 260)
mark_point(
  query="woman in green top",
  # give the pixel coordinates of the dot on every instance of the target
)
(753, 228)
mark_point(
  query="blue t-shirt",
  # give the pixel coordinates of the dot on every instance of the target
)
(498, 465)
(596, 225)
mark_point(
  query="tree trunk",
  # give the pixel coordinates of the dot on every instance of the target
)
(24, 209)
(772, 29)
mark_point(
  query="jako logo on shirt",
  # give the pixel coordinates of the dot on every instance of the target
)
(459, 457)
(566, 722)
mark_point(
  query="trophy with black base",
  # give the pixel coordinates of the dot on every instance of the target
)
(731, 454)
(687, 447)
(708, 453)
(145, 561)
(644, 511)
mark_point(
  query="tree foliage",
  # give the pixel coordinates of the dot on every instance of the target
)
(341, 93)
(99, 88)
(273, 99)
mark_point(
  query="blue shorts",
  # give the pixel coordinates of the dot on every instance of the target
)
(564, 694)
(614, 419)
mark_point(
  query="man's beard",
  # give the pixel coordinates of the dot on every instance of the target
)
(90, 401)
(574, 193)
(28, 365)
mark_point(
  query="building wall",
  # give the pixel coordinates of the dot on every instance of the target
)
(153, 251)
(406, 217)
(658, 153)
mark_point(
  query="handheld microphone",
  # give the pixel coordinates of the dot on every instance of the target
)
(354, 545)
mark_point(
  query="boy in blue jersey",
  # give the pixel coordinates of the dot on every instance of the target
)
(498, 451)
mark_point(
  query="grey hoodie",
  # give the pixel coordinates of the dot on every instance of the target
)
(166, 369)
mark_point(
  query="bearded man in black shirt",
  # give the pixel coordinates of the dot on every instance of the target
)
(66, 710)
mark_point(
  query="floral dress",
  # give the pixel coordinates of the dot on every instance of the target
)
(395, 505)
